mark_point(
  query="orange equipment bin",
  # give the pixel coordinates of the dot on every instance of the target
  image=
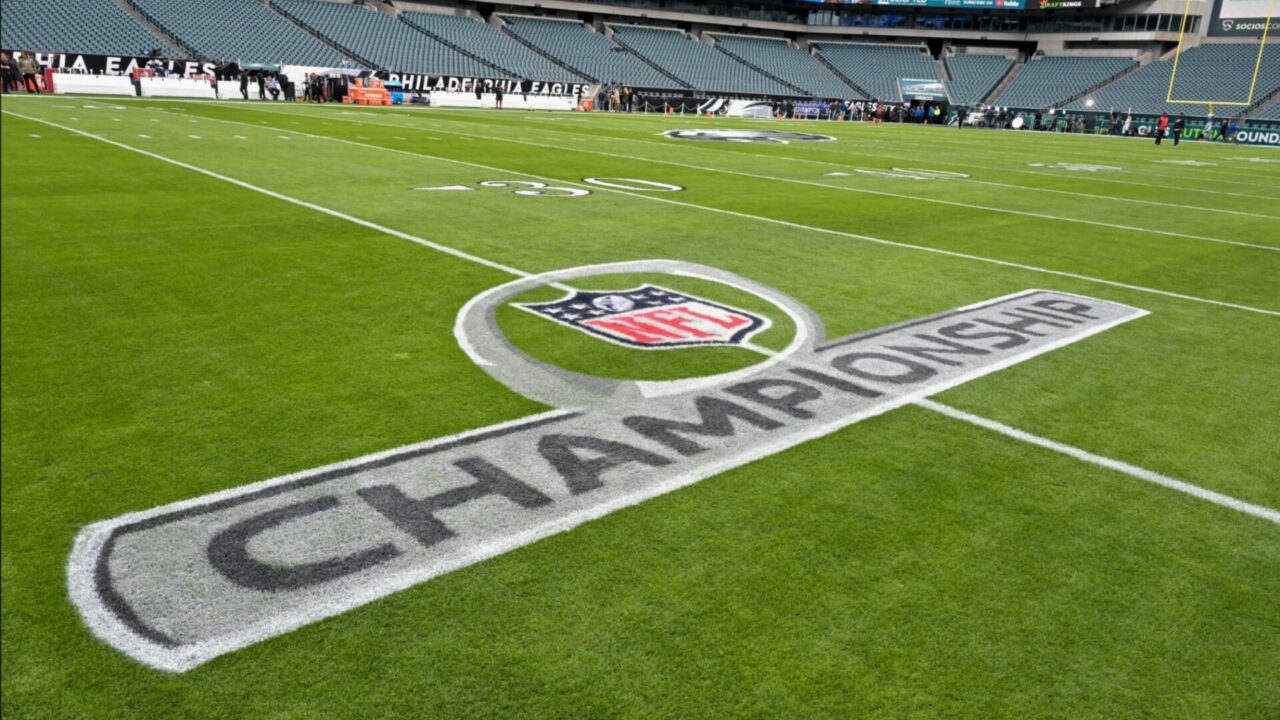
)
(370, 92)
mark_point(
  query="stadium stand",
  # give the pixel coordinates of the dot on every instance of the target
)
(695, 63)
(1270, 112)
(491, 44)
(793, 66)
(973, 77)
(587, 51)
(237, 30)
(80, 26)
(383, 40)
(878, 67)
(1050, 80)
(1207, 72)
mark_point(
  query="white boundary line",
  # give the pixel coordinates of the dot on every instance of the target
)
(94, 531)
(900, 143)
(829, 186)
(1031, 188)
(1085, 456)
(286, 198)
(652, 198)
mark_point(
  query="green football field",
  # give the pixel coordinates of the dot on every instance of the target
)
(965, 514)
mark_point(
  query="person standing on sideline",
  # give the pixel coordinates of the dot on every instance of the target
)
(244, 84)
(1222, 131)
(1161, 126)
(29, 68)
(10, 68)
(1178, 126)
(497, 95)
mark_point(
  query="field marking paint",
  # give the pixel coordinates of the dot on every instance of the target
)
(1223, 500)
(1085, 456)
(213, 609)
(286, 198)
(844, 188)
(913, 156)
(652, 198)
(1033, 188)
(890, 143)
(883, 193)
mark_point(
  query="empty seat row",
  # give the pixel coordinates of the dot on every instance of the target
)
(76, 26)
(1217, 73)
(383, 40)
(877, 68)
(1048, 81)
(794, 66)
(973, 77)
(587, 51)
(695, 63)
(490, 43)
(237, 30)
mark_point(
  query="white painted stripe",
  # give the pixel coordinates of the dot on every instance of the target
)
(966, 165)
(1084, 455)
(301, 203)
(747, 216)
(844, 188)
(910, 152)
(881, 193)
(1156, 478)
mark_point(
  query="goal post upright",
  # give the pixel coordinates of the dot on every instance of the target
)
(1257, 63)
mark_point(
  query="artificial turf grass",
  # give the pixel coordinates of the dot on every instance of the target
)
(656, 610)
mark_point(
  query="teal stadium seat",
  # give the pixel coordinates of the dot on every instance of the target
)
(1208, 72)
(877, 68)
(794, 66)
(492, 44)
(383, 40)
(973, 77)
(1048, 81)
(590, 52)
(696, 63)
(237, 30)
(76, 26)
(1270, 112)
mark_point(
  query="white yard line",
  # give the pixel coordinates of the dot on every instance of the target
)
(706, 208)
(1085, 456)
(916, 159)
(997, 149)
(845, 188)
(1196, 491)
(286, 198)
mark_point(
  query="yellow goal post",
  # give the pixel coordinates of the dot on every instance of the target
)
(1257, 65)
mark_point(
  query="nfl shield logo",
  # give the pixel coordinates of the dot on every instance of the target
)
(652, 318)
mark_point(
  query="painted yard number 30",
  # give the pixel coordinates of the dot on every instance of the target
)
(530, 188)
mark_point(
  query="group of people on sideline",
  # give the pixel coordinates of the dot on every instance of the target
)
(21, 73)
